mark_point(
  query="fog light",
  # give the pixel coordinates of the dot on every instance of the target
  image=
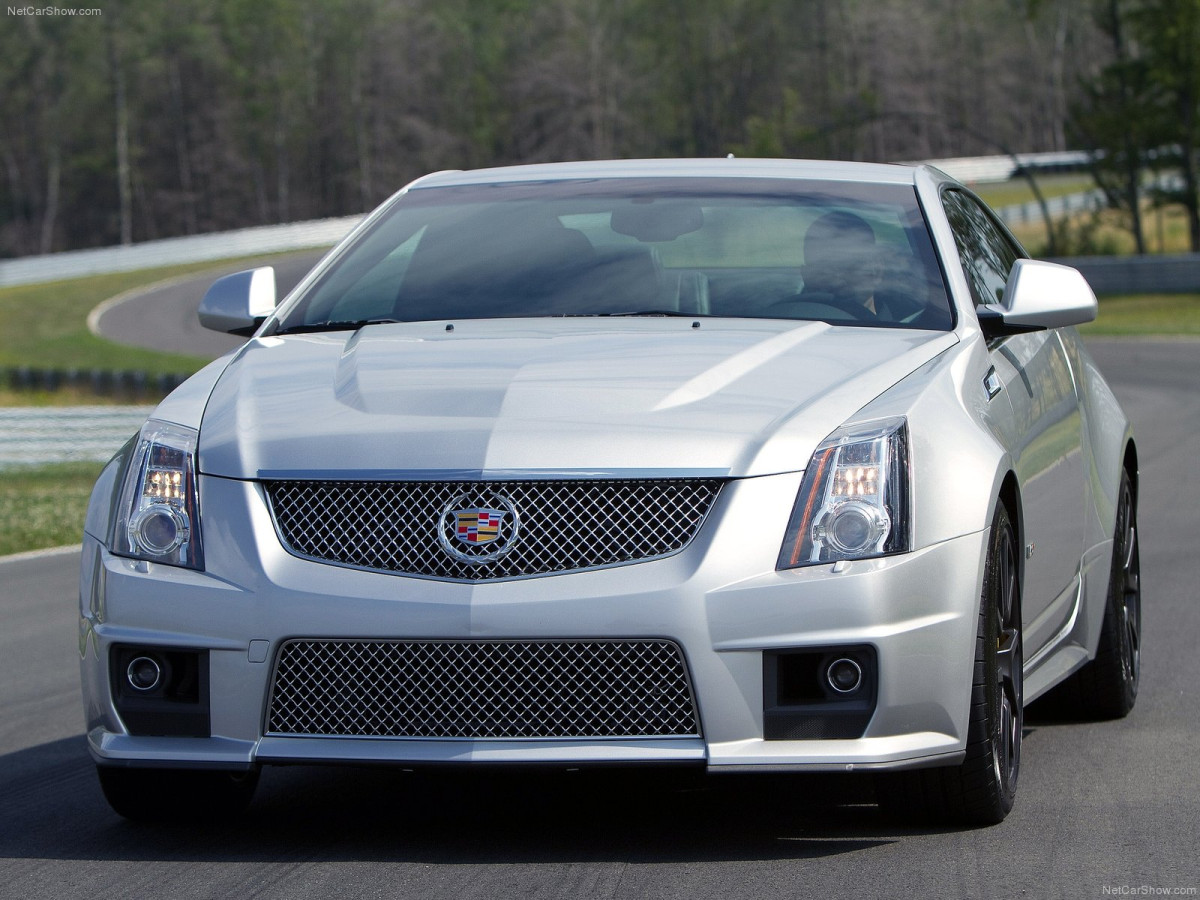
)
(144, 674)
(844, 675)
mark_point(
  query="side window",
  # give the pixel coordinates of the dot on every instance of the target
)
(987, 255)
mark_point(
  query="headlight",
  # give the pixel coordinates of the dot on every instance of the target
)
(853, 502)
(158, 515)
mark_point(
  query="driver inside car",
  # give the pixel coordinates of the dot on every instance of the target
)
(842, 265)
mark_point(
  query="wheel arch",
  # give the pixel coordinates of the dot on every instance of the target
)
(1130, 464)
(1010, 497)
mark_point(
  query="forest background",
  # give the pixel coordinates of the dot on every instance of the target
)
(131, 120)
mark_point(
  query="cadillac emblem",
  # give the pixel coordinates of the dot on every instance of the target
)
(478, 527)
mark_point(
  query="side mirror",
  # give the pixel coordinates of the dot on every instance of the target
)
(1039, 295)
(239, 303)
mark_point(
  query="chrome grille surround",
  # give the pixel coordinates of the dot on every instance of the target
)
(565, 525)
(474, 689)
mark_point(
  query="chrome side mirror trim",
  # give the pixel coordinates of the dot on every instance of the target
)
(1040, 295)
(238, 303)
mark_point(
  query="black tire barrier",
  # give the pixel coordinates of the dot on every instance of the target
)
(130, 384)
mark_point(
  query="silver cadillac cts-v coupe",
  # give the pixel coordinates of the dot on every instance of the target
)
(746, 464)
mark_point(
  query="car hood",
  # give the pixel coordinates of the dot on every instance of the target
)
(628, 396)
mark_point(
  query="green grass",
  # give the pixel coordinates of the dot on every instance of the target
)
(1146, 314)
(44, 506)
(1017, 191)
(45, 325)
(69, 395)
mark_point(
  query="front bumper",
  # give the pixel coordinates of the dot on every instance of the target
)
(721, 600)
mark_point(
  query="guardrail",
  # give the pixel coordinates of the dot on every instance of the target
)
(1066, 205)
(1178, 274)
(326, 232)
(39, 435)
(983, 169)
(174, 251)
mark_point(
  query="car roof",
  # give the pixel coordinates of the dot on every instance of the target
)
(818, 170)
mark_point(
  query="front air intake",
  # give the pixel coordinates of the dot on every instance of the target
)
(482, 689)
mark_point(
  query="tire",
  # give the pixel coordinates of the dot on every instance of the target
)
(982, 789)
(177, 795)
(1107, 686)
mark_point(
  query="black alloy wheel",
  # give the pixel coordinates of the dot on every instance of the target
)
(1107, 687)
(1126, 595)
(982, 789)
(1006, 696)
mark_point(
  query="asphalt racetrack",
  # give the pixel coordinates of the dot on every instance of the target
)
(163, 317)
(1103, 809)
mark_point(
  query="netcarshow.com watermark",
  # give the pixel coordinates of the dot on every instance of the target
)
(54, 11)
(1146, 890)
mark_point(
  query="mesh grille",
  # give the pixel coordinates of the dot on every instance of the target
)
(539, 527)
(482, 689)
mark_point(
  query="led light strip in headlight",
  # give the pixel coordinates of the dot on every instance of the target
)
(158, 516)
(853, 501)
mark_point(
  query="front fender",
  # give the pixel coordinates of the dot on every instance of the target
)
(960, 453)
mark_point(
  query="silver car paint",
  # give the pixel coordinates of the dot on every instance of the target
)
(739, 398)
(722, 598)
(1047, 454)
(1106, 438)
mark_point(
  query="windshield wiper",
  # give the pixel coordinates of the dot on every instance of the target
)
(674, 313)
(346, 325)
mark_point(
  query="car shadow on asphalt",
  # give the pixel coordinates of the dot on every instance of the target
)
(54, 809)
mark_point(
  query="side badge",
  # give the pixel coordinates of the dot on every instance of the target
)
(991, 383)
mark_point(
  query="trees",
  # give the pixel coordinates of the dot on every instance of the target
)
(1114, 118)
(51, 81)
(165, 117)
(1143, 104)
(1170, 33)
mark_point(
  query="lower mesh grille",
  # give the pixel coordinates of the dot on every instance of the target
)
(482, 689)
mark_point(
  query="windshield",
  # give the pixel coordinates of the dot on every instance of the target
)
(841, 252)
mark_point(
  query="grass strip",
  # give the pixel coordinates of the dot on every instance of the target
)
(44, 506)
(45, 325)
(1017, 192)
(1146, 314)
